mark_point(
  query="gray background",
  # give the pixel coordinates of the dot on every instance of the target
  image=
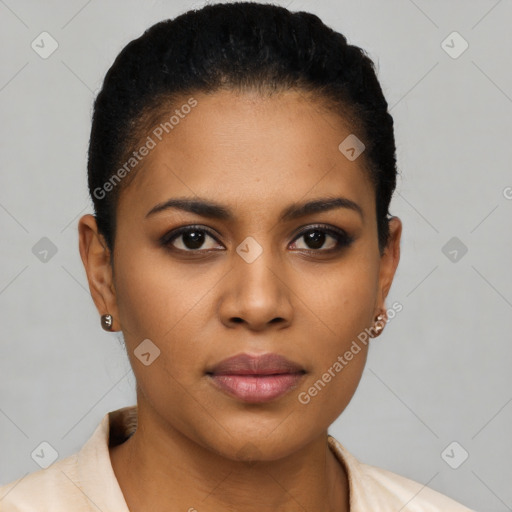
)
(441, 370)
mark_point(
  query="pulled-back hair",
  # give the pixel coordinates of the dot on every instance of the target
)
(239, 46)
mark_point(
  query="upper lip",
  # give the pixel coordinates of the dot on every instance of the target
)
(265, 364)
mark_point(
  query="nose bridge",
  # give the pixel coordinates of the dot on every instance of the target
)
(256, 292)
(257, 265)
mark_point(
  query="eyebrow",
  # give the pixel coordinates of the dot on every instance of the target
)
(214, 210)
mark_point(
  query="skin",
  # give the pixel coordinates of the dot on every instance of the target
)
(255, 156)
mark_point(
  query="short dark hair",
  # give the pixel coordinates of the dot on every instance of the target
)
(236, 46)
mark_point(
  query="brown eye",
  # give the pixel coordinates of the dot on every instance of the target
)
(320, 238)
(189, 239)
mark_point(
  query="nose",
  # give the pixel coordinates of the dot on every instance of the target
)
(256, 294)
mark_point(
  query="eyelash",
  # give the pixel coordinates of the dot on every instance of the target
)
(342, 238)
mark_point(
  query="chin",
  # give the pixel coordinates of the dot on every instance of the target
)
(246, 441)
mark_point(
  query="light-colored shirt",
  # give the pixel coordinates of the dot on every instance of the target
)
(86, 482)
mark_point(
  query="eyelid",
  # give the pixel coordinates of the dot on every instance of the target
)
(326, 227)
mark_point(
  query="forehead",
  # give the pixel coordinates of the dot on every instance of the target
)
(246, 150)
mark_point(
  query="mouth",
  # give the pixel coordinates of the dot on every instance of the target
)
(256, 379)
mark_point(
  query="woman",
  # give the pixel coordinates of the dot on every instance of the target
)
(241, 165)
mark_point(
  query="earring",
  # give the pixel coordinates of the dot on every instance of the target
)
(379, 326)
(106, 322)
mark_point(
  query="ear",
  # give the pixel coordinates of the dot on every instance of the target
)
(96, 259)
(389, 262)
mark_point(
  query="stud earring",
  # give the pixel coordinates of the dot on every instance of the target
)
(378, 326)
(106, 322)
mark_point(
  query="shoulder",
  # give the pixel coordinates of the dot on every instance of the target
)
(83, 481)
(374, 488)
(417, 496)
(45, 489)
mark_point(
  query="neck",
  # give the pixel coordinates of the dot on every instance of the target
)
(158, 468)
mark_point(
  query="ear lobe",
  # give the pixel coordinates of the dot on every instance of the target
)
(96, 260)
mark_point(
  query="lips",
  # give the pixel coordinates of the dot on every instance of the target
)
(265, 364)
(256, 379)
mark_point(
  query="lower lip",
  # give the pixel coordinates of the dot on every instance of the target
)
(257, 388)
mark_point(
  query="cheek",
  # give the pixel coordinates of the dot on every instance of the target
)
(156, 301)
(342, 300)
(168, 304)
(342, 304)
(153, 295)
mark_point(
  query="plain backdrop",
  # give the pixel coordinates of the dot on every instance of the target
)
(440, 372)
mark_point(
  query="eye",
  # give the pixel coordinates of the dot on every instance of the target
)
(194, 239)
(189, 238)
(317, 236)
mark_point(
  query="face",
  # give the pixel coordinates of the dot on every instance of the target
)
(244, 278)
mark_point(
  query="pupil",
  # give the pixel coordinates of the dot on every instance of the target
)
(317, 238)
(196, 239)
